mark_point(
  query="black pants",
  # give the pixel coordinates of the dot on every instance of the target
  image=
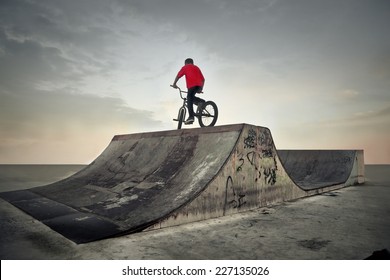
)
(191, 98)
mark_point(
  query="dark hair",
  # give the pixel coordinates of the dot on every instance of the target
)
(189, 61)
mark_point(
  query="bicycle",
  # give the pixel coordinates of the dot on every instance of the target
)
(206, 112)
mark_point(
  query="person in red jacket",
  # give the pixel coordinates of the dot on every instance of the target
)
(195, 83)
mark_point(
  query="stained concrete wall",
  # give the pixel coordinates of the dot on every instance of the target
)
(254, 176)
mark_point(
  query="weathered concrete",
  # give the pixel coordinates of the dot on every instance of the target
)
(350, 223)
(255, 176)
(319, 168)
(154, 180)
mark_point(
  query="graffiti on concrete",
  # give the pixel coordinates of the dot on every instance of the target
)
(261, 147)
(238, 199)
(250, 140)
(259, 159)
(265, 139)
(270, 176)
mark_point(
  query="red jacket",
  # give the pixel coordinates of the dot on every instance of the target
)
(194, 76)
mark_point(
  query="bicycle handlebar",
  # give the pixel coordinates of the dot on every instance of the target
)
(181, 91)
(178, 88)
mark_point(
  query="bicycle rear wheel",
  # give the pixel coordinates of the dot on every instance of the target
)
(208, 114)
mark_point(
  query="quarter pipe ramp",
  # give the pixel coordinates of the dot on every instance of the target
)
(159, 179)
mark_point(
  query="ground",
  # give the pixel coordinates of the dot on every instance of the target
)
(349, 223)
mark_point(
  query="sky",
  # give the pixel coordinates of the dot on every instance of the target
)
(75, 73)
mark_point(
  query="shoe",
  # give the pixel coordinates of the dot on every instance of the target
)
(190, 120)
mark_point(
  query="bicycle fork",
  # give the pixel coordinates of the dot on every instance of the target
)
(181, 115)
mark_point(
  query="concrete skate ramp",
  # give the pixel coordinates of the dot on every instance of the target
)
(152, 180)
(320, 168)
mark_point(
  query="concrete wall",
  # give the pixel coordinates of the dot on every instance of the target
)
(254, 177)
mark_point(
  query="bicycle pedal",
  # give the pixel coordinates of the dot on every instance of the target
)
(189, 121)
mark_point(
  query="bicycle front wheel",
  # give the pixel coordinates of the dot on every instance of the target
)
(209, 114)
(181, 117)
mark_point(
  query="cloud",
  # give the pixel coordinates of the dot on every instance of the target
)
(73, 68)
(59, 63)
(39, 119)
(47, 108)
(349, 93)
(367, 130)
(84, 36)
(379, 116)
(27, 62)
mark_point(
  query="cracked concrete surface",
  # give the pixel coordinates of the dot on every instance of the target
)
(349, 223)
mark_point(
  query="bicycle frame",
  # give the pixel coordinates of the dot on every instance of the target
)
(185, 101)
(200, 113)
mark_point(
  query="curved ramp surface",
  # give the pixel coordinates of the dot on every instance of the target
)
(153, 180)
(320, 168)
